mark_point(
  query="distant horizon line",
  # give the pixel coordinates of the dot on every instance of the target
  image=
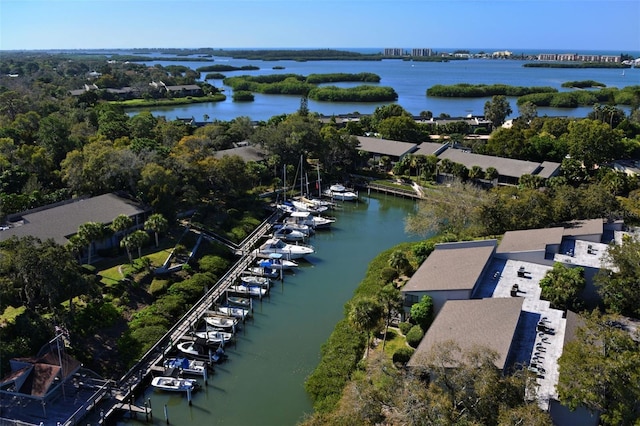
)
(350, 49)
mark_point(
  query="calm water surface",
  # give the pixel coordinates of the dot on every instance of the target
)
(262, 382)
(409, 79)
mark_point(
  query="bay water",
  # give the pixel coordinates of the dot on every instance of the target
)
(262, 382)
(410, 79)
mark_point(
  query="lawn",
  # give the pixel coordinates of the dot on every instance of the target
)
(395, 341)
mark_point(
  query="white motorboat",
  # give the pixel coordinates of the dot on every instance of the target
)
(288, 251)
(234, 311)
(340, 192)
(308, 219)
(173, 384)
(275, 261)
(220, 321)
(305, 229)
(264, 282)
(249, 290)
(193, 349)
(262, 272)
(214, 337)
(302, 206)
(289, 234)
(239, 301)
(186, 365)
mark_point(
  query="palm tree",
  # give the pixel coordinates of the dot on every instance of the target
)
(366, 314)
(391, 299)
(476, 172)
(127, 243)
(121, 223)
(156, 223)
(138, 239)
(398, 261)
(88, 233)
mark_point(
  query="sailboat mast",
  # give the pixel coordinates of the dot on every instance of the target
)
(318, 183)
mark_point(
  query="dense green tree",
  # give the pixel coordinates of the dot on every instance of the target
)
(422, 312)
(339, 151)
(54, 135)
(452, 209)
(400, 128)
(497, 110)
(600, 370)
(42, 272)
(528, 111)
(619, 283)
(593, 142)
(562, 286)
(142, 125)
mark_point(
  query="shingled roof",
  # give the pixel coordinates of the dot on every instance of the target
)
(385, 146)
(470, 323)
(530, 239)
(61, 221)
(452, 266)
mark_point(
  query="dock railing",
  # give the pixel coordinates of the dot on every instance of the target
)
(129, 382)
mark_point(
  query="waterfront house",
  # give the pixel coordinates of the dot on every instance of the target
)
(490, 323)
(61, 221)
(245, 151)
(509, 170)
(512, 271)
(451, 272)
(377, 148)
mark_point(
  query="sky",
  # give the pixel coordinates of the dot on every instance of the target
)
(556, 25)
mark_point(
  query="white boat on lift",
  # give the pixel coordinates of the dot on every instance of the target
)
(288, 251)
(221, 321)
(193, 349)
(186, 365)
(214, 337)
(264, 282)
(276, 262)
(249, 290)
(306, 218)
(289, 234)
(341, 193)
(173, 384)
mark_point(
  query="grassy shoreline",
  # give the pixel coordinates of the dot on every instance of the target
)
(141, 103)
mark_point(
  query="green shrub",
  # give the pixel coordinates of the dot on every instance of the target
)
(388, 274)
(414, 336)
(403, 355)
(158, 287)
(215, 265)
(405, 327)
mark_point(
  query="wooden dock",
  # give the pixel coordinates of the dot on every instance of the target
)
(398, 192)
(136, 379)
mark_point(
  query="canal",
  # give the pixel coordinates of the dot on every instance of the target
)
(262, 382)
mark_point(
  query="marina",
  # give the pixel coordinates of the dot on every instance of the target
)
(276, 348)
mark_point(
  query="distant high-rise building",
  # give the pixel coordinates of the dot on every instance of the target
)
(421, 52)
(394, 51)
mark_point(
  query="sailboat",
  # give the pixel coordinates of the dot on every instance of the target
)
(304, 203)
